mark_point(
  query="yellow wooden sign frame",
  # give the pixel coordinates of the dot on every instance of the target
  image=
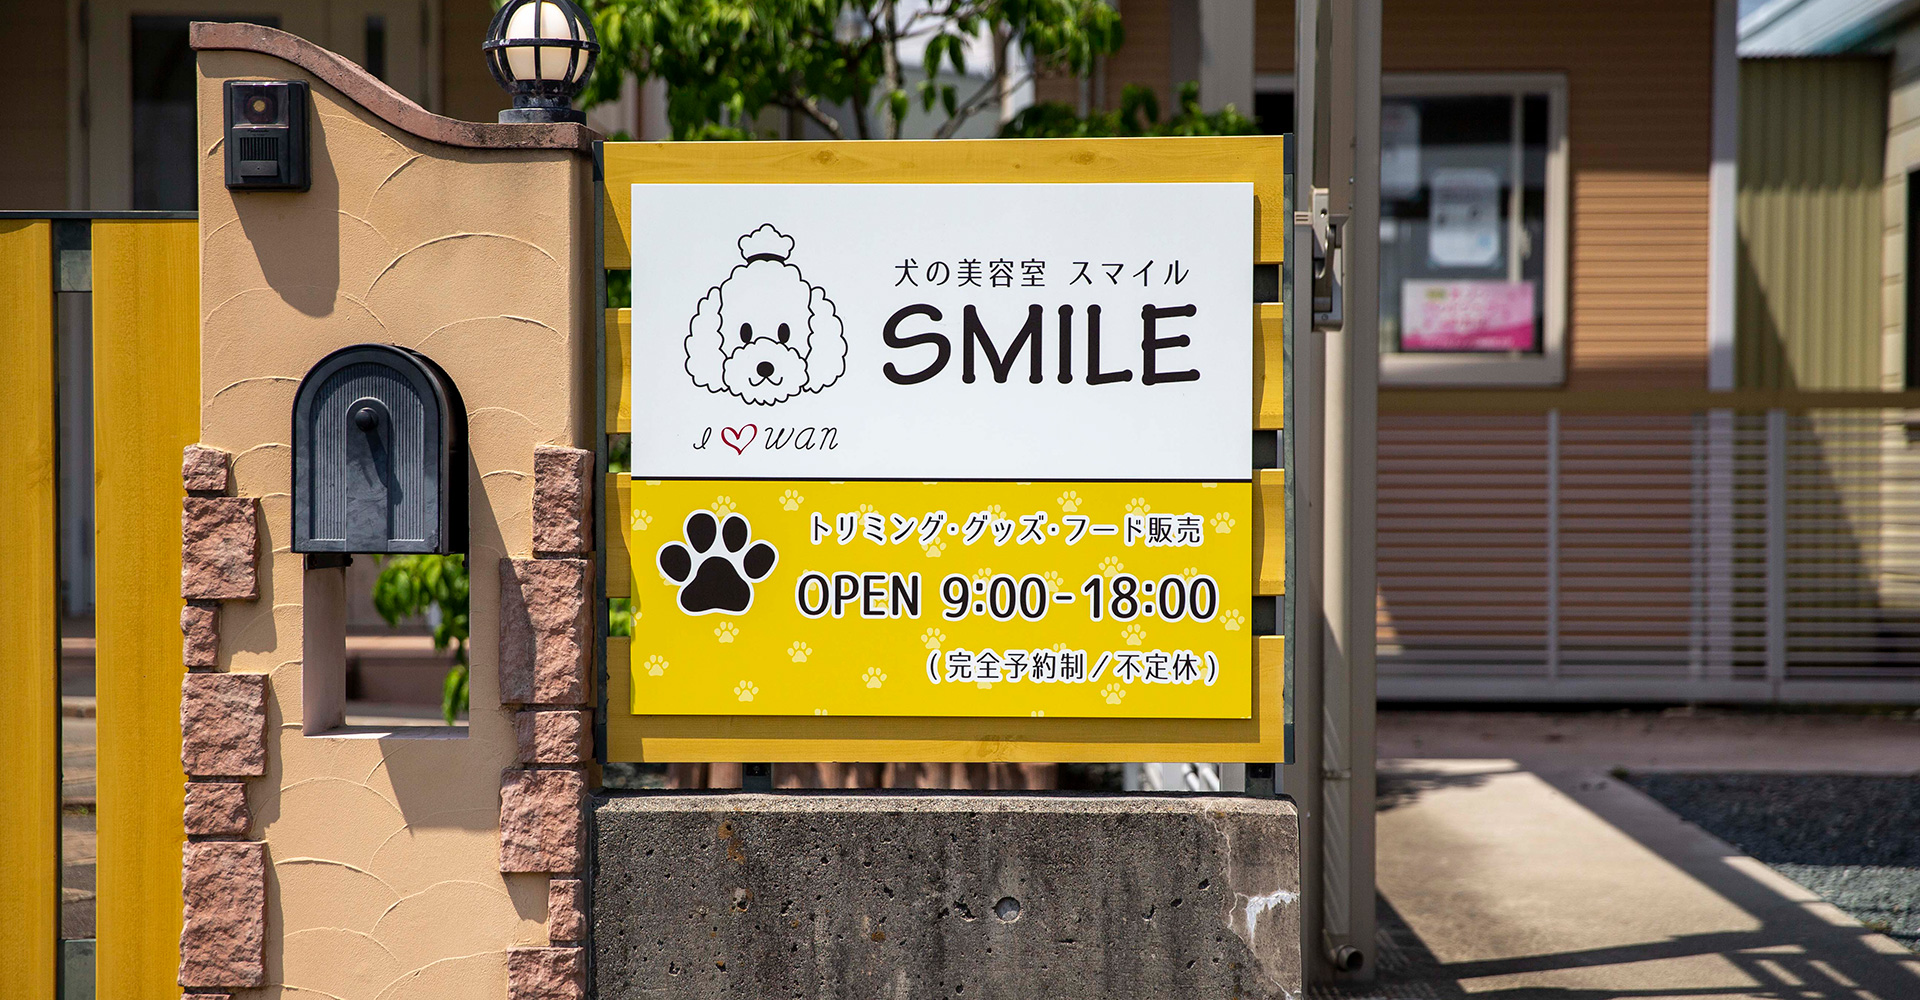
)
(1260, 160)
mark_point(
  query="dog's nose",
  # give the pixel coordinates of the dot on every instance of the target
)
(764, 369)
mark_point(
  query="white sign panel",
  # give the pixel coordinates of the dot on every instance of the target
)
(942, 331)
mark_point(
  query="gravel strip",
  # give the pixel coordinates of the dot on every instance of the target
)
(1854, 839)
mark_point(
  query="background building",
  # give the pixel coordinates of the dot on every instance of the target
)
(1575, 499)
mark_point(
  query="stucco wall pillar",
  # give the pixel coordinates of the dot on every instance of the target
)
(471, 244)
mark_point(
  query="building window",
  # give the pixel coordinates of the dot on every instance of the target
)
(1912, 357)
(165, 164)
(1473, 225)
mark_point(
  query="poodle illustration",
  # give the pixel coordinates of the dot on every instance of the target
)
(716, 580)
(764, 334)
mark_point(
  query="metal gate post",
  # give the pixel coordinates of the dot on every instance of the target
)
(1553, 545)
(1338, 106)
(1776, 473)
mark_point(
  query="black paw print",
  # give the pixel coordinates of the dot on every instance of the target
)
(716, 581)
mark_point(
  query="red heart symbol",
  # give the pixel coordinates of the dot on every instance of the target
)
(738, 438)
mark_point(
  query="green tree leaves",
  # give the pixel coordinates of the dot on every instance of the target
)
(411, 585)
(1139, 114)
(726, 62)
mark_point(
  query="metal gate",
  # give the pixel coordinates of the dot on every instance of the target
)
(1756, 555)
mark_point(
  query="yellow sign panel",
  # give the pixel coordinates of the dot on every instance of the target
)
(1079, 599)
(881, 397)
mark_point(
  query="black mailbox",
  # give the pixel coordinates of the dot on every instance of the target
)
(379, 455)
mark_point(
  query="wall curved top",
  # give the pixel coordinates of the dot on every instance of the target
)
(366, 90)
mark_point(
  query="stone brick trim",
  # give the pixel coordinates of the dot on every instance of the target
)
(546, 973)
(544, 631)
(562, 500)
(566, 910)
(223, 725)
(543, 824)
(545, 637)
(218, 539)
(216, 809)
(223, 939)
(552, 736)
(204, 469)
(200, 634)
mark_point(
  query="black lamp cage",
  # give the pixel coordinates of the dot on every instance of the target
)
(542, 100)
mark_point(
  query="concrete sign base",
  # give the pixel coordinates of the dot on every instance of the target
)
(917, 895)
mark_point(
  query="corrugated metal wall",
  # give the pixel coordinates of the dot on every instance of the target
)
(1812, 152)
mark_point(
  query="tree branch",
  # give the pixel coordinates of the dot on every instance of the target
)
(890, 64)
(860, 101)
(807, 106)
(988, 92)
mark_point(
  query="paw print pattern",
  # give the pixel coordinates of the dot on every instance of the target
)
(1055, 582)
(723, 505)
(996, 512)
(1113, 692)
(791, 500)
(1038, 713)
(1069, 502)
(716, 578)
(638, 520)
(933, 638)
(1133, 635)
(1232, 620)
(874, 677)
(819, 711)
(656, 665)
(725, 632)
(1138, 505)
(745, 690)
(935, 547)
(1223, 523)
(1111, 566)
(982, 575)
(799, 651)
(866, 508)
(1190, 572)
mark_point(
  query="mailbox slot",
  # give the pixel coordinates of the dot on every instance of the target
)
(379, 455)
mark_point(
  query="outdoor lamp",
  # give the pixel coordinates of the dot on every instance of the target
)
(540, 51)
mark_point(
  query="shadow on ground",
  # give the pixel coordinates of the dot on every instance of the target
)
(1782, 943)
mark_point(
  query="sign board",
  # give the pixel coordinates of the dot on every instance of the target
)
(1466, 315)
(941, 449)
(944, 449)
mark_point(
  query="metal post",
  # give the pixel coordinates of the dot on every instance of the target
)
(1776, 473)
(1339, 105)
(1301, 778)
(1553, 545)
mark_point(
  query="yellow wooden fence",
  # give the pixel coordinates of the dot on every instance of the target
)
(146, 390)
(29, 617)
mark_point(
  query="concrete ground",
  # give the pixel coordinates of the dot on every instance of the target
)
(1513, 864)
(76, 824)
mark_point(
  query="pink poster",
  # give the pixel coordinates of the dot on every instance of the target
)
(1466, 316)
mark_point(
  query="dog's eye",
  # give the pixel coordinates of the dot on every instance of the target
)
(784, 333)
(746, 333)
